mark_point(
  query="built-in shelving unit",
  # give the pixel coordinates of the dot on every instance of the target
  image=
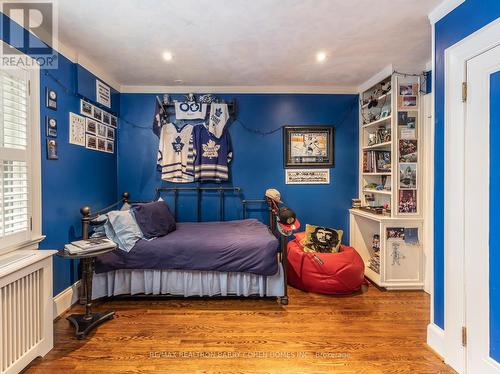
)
(390, 142)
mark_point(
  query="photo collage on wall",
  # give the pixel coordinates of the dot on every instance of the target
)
(408, 148)
(100, 128)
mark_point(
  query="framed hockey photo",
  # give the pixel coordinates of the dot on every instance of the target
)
(86, 108)
(308, 146)
(101, 144)
(110, 133)
(110, 146)
(106, 118)
(91, 142)
(91, 126)
(113, 121)
(98, 114)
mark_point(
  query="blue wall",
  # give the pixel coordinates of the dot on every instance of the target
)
(258, 160)
(458, 24)
(79, 177)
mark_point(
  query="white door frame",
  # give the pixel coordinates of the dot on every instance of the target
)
(456, 57)
(477, 208)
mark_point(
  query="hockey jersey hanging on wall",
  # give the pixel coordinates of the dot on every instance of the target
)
(212, 155)
(176, 154)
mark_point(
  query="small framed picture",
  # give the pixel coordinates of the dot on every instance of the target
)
(102, 130)
(110, 146)
(91, 126)
(113, 121)
(101, 144)
(386, 111)
(408, 89)
(86, 108)
(407, 201)
(52, 149)
(98, 114)
(408, 151)
(408, 175)
(51, 98)
(308, 146)
(407, 102)
(110, 133)
(51, 127)
(91, 142)
(106, 118)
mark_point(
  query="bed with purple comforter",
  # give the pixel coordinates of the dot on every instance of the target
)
(245, 246)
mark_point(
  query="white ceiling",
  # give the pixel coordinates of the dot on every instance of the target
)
(247, 42)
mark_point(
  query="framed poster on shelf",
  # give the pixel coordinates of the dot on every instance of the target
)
(308, 146)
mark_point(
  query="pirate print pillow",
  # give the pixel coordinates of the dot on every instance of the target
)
(322, 239)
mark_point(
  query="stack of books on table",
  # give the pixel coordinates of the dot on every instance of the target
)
(89, 245)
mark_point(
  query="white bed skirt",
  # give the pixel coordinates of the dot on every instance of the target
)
(186, 283)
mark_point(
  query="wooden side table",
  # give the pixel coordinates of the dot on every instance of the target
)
(84, 323)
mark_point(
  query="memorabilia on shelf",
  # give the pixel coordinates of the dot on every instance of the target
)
(408, 150)
(383, 135)
(383, 164)
(51, 99)
(407, 201)
(308, 146)
(395, 233)
(408, 176)
(356, 203)
(51, 127)
(408, 89)
(407, 102)
(52, 149)
(386, 111)
(376, 242)
(372, 139)
(76, 129)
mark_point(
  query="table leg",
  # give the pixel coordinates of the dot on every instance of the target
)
(85, 322)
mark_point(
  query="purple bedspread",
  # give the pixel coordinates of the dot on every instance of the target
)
(233, 246)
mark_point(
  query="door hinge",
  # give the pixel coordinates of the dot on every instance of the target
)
(464, 91)
(29, 88)
(31, 223)
(464, 336)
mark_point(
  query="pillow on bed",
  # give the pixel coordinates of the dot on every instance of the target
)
(122, 228)
(154, 219)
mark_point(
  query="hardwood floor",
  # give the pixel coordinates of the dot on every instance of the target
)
(371, 332)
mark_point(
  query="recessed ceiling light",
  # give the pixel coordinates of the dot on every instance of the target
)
(178, 81)
(321, 56)
(167, 56)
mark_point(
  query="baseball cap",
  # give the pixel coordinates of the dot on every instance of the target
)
(287, 219)
(273, 194)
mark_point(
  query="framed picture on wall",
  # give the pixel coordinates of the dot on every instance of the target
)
(308, 146)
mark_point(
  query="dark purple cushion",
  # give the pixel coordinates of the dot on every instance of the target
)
(154, 219)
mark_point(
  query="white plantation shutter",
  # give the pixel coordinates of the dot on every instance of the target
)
(15, 155)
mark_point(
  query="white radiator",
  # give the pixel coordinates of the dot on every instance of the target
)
(26, 326)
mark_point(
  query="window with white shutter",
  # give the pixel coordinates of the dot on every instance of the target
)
(18, 156)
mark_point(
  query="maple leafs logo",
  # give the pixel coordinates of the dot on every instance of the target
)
(218, 112)
(178, 145)
(210, 150)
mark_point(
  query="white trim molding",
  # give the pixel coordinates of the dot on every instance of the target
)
(66, 299)
(454, 184)
(240, 89)
(435, 338)
(443, 9)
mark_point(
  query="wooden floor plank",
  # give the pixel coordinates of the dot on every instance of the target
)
(371, 332)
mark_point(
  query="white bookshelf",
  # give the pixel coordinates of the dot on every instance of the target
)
(389, 122)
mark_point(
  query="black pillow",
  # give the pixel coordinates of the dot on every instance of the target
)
(154, 219)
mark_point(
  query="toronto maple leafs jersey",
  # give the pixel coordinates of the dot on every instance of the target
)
(176, 154)
(212, 155)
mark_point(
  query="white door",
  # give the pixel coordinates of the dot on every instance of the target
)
(482, 213)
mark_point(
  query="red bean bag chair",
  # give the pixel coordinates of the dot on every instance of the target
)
(333, 273)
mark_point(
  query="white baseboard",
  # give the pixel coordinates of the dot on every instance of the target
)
(65, 300)
(435, 338)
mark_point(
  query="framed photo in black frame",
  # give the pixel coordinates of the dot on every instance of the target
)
(308, 146)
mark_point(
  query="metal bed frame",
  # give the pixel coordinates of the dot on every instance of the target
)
(87, 217)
